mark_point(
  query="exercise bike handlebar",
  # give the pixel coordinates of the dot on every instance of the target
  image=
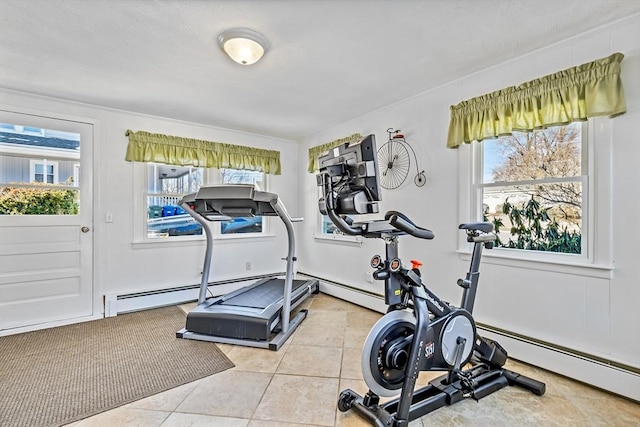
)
(403, 223)
(342, 224)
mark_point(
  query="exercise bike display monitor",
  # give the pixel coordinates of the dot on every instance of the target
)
(420, 332)
(353, 172)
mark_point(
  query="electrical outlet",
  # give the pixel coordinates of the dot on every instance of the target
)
(247, 265)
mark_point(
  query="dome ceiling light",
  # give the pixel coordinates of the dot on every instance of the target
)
(244, 46)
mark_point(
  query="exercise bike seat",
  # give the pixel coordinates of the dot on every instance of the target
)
(485, 227)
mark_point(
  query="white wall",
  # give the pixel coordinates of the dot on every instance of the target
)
(594, 311)
(121, 266)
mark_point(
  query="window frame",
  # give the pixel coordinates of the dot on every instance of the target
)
(33, 163)
(596, 256)
(146, 194)
(586, 170)
(265, 221)
(211, 176)
(76, 174)
(337, 235)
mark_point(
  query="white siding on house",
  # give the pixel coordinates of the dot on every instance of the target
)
(14, 169)
(17, 169)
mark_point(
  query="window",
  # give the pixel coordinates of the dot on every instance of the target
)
(39, 171)
(166, 185)
(246, 224)
(533, 187)
(44, 171)
(326, 229)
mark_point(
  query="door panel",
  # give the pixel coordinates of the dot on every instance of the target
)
(46, 271)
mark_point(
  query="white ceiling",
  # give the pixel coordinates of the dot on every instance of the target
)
(329, 61)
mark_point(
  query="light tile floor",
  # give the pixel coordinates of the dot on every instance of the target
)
(298, 386)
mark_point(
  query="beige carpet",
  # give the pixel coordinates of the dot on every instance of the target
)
(55, 376)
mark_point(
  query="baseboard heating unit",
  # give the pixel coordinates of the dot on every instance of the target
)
(115, 304)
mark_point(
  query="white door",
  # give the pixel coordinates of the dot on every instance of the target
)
(46, 227)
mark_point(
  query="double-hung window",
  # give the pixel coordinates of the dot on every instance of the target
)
(165, 185)
(188, 165)
(245, 225)
(326, 229)
(546, 187)
(533, 186)
(44, 171)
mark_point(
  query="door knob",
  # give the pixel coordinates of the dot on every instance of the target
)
(85, 229)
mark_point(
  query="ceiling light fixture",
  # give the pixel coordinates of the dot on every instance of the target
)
(244, 46)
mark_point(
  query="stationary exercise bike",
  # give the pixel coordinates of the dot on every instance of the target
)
(420, 332)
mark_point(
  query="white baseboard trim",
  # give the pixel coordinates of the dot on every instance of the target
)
(349, 293)
(118, 304)
(580, 368)
(589, 371)
(115, 304)
(372, 302)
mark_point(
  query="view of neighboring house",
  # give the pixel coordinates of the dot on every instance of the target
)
(33, 155)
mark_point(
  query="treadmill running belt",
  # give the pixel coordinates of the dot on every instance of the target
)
(262, 296)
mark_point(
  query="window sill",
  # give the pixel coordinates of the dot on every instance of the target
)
(339, 238)
(228, 238)
(197, 241)
(578, 267)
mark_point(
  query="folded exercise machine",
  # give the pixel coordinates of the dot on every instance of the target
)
(420, 332)
(258, 315)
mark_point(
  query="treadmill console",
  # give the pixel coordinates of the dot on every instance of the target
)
(225, 201)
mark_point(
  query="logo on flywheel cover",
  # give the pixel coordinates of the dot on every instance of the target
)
(429, 350)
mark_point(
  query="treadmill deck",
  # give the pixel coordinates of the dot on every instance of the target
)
(261, 296)
(250, 313)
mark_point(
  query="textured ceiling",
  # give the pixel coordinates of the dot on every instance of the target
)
(329, 61)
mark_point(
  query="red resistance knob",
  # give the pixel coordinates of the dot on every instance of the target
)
(415, 267)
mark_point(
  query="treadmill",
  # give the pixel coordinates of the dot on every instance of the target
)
(258, 315)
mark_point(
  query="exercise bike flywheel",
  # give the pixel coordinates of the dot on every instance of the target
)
(386, 352)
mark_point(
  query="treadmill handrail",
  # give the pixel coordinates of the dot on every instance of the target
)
(206, 268)
(288, 281)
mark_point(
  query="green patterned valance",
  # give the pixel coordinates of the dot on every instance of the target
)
(314, 152)
(575, 94)
(174, 150)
